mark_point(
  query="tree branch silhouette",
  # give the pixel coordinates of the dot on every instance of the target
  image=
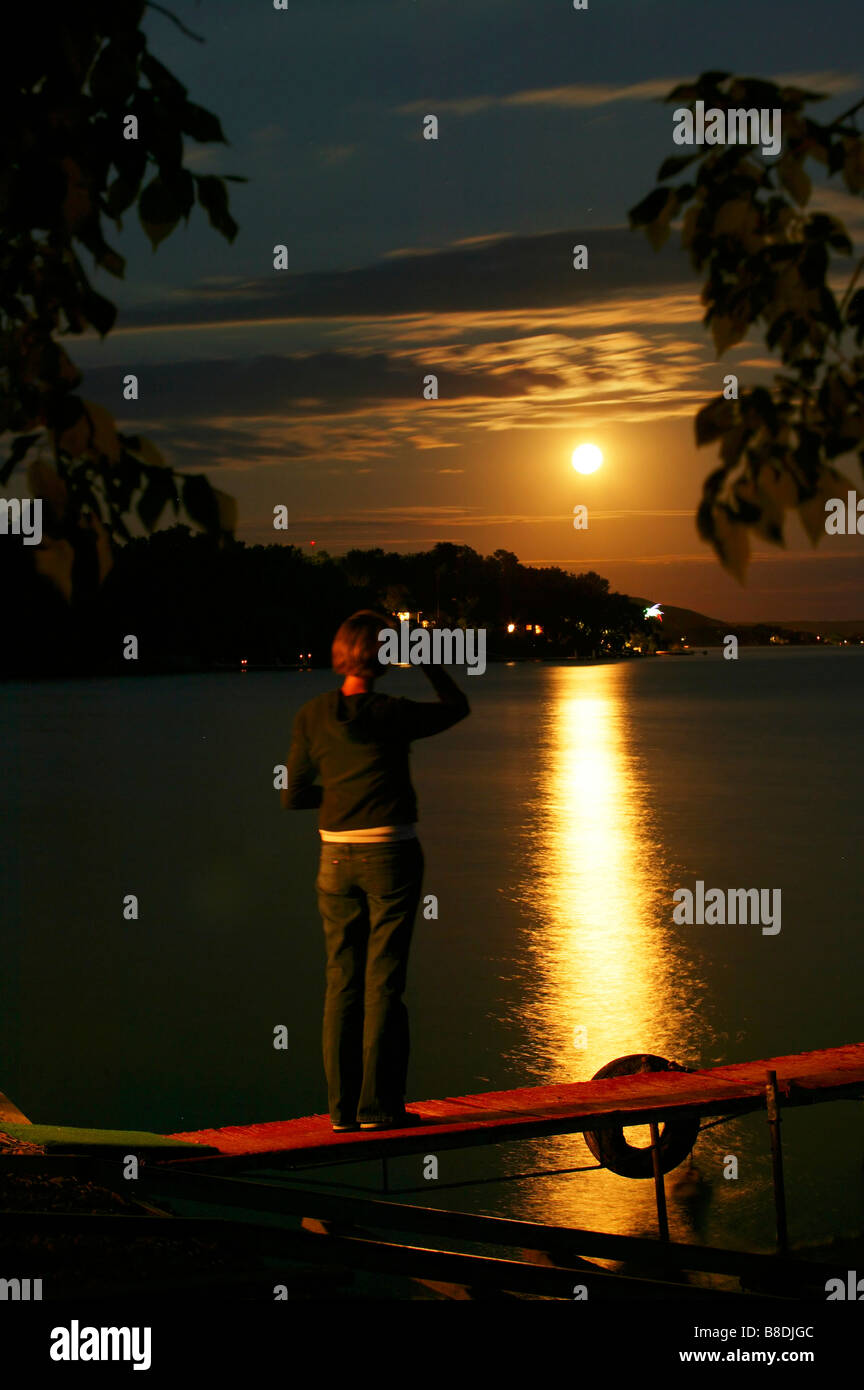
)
(94, 126)
(769, 263)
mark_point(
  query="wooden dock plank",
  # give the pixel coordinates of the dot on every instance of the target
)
(68, 1139)
(494, 1116)
(486, 1118)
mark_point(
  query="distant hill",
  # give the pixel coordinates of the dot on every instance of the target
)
(698, 630)
(684, 624)
(843, 627)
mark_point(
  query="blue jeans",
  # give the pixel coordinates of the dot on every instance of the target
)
(368, 897)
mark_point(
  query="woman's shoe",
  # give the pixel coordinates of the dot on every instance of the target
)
(399, 1122)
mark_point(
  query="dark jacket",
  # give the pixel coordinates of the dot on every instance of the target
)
(358, 745)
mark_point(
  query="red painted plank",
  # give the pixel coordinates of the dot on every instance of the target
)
(803, 1077)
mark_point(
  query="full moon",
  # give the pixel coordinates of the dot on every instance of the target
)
(587, 458)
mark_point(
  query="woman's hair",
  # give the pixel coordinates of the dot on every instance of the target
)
(355, 646)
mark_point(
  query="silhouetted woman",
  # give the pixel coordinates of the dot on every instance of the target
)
(356, 742)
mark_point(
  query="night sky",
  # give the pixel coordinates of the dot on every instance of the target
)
(407, 256)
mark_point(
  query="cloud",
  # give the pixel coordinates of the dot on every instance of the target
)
(204, 158)
(826, 80)
(401, 251)
(268, 134)
(494, 273)
(517, 339)
(590, 94)
(575, 94)
(357, 406)
(313, 383)
(463, 515)
(360, 400)
(428, 441)
(335, 154)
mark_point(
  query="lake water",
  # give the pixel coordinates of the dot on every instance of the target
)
(557, 821)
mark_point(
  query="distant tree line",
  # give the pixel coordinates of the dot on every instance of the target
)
(194, 603)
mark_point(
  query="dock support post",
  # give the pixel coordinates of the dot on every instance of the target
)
(772, 1100)
(659, 1188)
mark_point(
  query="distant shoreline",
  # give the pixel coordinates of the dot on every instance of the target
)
(703, 649)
